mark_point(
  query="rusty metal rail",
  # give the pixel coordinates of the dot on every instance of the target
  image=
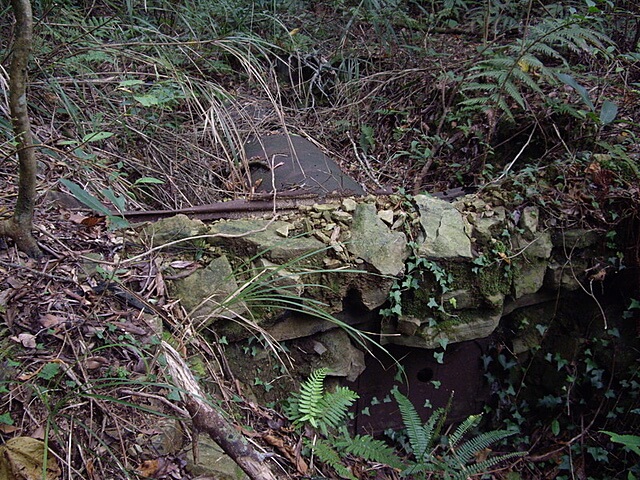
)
(258, 204)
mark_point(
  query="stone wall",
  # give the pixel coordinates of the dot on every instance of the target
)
(443, 272)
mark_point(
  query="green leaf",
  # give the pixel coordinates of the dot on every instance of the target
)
(608, 112)
(439, 356)
(85, 197)
(570, 81)
(118, 201)
(147, 100)
(555, 427)
(49, 371)
(5, 419)
(148, 180)
(96, 136)
(632, 442)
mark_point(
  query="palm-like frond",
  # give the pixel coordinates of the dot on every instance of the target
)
(310, 396)
(334, 406)
(507, 72)
(321, 410)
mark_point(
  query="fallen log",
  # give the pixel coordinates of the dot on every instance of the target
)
(208, 419)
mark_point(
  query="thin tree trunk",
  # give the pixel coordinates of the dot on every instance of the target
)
(207, 419)
(19, 226)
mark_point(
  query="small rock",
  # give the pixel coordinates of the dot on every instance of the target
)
(319, 348)
(326, 207)
(349, 205)
(529, 219)
(374, 242)
(386, 216)
(283, 231)
(408, 325)
(332, 262)
(402, 216)
(173, 228)
(321, 236)
(340, 216)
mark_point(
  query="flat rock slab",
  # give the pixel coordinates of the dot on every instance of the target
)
(375, 243)
(301, 167)
(207, 294)
(254, 236)
(444, 228)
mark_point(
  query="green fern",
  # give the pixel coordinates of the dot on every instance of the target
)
(327, 412)
(454, 460)
(421, 437)
(321, 410)
(334, 406)
(501, 78)
(329, 456)
(368, 448)
(462, 454)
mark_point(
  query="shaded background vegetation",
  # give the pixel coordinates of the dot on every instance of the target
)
(530, 102)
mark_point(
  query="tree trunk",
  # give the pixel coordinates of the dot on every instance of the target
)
(19, 226)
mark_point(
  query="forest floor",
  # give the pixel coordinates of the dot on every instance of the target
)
(80, 365)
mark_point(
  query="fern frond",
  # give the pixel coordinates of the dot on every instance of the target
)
(334, 406)
(483, 87)
(325, 452)
(542, 48)
(468, 450)
(499, 101)
(290, 408)
(463, 428)
(368, 448)
(511, 89)
(484, 466)
(311, 394)
(419, 438)
(526, 79)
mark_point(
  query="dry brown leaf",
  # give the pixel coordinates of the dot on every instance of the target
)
(94, 362)
(6, 429)
(26, 339)
(291, 454)
(38, 433)
(23, 458)
(156, 468)
(49, 320)
(91, 471)
(482, 455)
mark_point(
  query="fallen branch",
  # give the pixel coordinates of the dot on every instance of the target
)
(207, 419)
